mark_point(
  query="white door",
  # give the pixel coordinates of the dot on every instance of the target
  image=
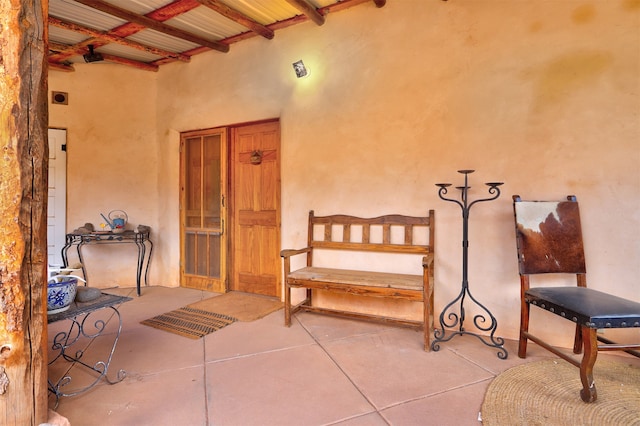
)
(56, 213)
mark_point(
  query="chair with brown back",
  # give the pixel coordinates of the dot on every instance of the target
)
(549, 241)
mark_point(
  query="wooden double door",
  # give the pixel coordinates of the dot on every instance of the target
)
(230, 208)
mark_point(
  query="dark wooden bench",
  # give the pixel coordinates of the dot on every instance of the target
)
(360, 234)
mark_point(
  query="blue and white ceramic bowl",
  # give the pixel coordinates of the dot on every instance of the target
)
(60, 294)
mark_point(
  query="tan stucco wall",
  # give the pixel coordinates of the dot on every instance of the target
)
(543, 95)
(112, 159)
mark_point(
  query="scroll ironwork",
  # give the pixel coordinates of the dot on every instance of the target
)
(452, 320)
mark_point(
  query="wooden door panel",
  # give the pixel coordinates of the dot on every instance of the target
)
(256, 209)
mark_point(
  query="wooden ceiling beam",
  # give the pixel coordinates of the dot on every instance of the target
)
(108, 37)
(165, 13)
(57, 47)
(64, 52)
(135, 64)
(61, 67)
(308, 10)
(153, 24)
(238, 17)
(346, 4)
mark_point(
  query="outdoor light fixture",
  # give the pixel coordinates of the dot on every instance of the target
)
(92, 56)
(300, 69)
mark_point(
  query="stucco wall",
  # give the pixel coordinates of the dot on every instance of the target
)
(112, 160)
(543, 95)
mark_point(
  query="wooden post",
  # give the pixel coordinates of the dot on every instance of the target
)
(23, 212)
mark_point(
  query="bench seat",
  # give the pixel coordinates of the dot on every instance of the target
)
(386, 284)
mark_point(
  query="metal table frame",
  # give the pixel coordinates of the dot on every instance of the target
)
(140, 239)
(82, 327)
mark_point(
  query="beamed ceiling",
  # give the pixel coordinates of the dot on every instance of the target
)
(146, 34)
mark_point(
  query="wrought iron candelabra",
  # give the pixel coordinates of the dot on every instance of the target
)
(449, 318)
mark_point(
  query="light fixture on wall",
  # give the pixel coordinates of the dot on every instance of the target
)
(300, 69)
(92, 56)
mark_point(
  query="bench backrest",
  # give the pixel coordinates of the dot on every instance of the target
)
(371, 234)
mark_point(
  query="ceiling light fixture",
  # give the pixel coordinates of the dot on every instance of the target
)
(300, 69)
(92, 56)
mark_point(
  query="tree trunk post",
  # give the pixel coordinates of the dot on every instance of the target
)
(24, 160)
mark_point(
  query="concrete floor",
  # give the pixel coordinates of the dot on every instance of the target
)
(321, 371)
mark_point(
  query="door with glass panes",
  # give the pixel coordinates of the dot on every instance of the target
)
(203, 160)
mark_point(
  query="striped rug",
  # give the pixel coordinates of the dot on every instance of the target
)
(189, 322)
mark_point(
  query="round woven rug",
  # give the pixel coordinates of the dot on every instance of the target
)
(548, 393)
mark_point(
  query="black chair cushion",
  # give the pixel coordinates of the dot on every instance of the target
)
(585, 306)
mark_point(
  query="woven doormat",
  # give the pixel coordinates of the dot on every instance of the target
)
(242, 306)
(189, 322)
(548, 393)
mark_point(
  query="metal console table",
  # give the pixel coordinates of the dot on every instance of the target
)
(139, 238)
(85, 324)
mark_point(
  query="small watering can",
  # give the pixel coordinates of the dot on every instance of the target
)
(117, 220)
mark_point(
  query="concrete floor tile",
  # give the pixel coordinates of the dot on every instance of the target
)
(472, 349)
(156, 301)
(171, 398)
(148, 351)
(371, 419)
(299, 386)
(325, 327)
(458, 407)
(244, 338)
(389, 368)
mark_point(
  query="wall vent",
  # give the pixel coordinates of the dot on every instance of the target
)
(60, 98)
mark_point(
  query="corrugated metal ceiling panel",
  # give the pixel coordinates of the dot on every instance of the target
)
(207, 24)
(62, 36)
(265, 12)
(162, 41)
(128, 53)
(140, 7)
(84, 15)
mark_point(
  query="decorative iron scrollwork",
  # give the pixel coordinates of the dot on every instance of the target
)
(449, 318)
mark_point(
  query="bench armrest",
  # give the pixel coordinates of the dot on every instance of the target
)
(427, 261)
(291, 252)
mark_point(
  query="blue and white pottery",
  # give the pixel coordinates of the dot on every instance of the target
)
(60, 294)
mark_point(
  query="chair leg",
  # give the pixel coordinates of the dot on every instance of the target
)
(577, 343)
(590, 339)
(524, 329)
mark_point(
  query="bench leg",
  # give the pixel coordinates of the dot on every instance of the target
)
(590, 339)
(287, 304)
(427, 314)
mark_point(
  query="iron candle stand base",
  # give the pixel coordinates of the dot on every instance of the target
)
(450, 320)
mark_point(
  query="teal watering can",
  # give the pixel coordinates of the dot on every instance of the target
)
(117, 220)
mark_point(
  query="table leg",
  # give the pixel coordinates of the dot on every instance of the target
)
(146, 272)
(84, 270)
(141, 255)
